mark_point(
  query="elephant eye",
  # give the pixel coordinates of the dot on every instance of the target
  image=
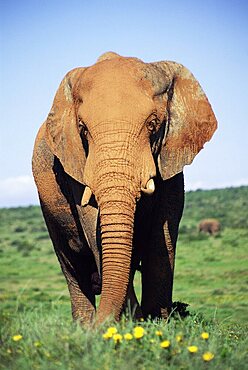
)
(151, 125)
(82, 127)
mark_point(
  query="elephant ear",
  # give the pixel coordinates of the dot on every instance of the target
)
(62, 131)
(191, 121)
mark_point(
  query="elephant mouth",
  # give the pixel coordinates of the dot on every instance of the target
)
(147, 190)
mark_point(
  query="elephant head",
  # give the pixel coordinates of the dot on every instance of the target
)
(114, 127)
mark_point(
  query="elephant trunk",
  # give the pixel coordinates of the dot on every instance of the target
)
(117, 233)
(117, 201)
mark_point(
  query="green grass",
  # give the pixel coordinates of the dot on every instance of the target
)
(211, 276)
(50, 341)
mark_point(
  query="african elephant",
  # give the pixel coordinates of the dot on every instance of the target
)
(108, 165)
(209, 226)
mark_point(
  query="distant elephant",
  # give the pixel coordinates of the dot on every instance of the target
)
(119, 131)
(209, 226)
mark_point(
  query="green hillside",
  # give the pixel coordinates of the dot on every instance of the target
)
(229, 206)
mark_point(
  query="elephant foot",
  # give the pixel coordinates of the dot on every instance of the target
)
(165, 313)
(162, 313)
(85, 319)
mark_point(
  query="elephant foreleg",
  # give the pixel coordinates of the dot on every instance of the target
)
(58, 206)
(157, 277)
(82, 298)
(77, 266)
(159, 252)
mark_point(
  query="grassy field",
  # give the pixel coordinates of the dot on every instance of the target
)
(211, 276)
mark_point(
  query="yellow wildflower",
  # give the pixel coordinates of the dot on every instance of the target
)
(138, 332)
(17, 337)
(192, 349)
(205, 335)
(107, 335)
(117, 338)
(208, 356)
(179, 338)
(128, 336)
(159, 333)
(165, 344)
(112, 330)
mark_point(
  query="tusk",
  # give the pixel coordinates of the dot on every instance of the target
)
(86, 196)
(150, 187)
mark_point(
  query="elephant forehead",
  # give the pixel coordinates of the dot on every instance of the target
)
(115, 90)
(115, 93)
(116, 104)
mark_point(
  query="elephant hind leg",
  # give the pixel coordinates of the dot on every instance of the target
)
(96, 283)
(131, 305)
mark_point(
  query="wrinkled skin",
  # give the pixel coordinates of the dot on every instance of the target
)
(116, 130)
(209, 226)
